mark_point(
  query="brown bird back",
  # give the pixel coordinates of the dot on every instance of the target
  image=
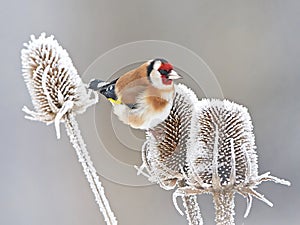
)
(131, 84)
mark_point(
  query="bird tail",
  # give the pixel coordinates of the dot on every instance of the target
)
(105, 88)
(96, 84)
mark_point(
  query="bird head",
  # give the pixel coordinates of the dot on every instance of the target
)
(161, 73)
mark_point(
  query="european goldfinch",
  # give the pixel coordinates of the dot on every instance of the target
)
(141, 98)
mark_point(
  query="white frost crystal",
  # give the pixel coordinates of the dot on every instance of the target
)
(58, 94)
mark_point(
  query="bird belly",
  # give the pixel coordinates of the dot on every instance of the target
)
(143, 117)
(153, 118)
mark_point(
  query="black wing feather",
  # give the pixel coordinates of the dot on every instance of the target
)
(108, 90)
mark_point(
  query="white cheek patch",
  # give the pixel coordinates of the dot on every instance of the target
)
(156, 79)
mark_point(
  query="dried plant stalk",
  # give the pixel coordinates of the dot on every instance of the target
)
(192, 210)
(224, 207)
(88, 168)
(164, 152)
(58, 94)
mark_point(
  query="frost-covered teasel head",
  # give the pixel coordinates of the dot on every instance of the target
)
(221, 145)
(58, 94)
(221, 157)
(164, 152)
(52, 81)
(165, 148)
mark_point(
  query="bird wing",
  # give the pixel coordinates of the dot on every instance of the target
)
(108, 90)
(131, 95)
(131, 85)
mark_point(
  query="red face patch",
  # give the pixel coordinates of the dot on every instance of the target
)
(165, 80)
(166, 66)
(164, 70)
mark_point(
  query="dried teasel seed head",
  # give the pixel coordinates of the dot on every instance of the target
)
(222, 143)
(52, 81)
(221, 156)
(164, 152)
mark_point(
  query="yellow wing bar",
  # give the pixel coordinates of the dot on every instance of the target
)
(118, 101)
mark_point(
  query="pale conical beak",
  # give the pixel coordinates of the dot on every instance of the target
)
(173, 75)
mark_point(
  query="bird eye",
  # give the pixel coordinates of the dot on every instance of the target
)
(163, 72)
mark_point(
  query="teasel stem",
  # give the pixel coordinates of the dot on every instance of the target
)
(191, 206)
(192, 210)
(224, 207)
(88, 169)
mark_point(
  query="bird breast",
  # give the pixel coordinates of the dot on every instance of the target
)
(153, 107)
(158, 99)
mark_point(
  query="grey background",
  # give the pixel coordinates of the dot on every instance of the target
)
(251, 46)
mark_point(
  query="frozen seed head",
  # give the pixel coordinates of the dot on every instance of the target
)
(164, 152)
(221, 144)
(221, 156)
(52, 81)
